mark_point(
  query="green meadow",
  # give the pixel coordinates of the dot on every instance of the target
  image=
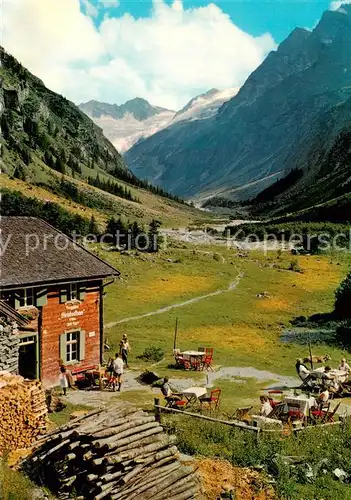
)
(243, 329)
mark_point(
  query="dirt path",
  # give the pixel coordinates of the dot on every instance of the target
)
(194, 300)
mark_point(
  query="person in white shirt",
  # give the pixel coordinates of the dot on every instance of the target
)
(118, 368)
(301, 369)
(265, 406)
(63, 380)
(324, 395)
(344, 367)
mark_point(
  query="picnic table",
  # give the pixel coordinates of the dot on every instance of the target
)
(194, 357)
(305, 403)
(193, 394)
(193, 354)
(338, 375)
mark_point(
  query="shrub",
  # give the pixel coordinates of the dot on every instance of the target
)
(343, 336)
(295, 266)
(270, 452)
(343, 298)
(152, 354)
(13, 485)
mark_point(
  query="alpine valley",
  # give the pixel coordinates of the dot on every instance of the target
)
(287, 129)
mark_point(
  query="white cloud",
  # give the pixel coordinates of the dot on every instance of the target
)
(168, 57)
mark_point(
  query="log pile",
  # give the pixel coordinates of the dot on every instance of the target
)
(22, 412)
(113, 455)
(9, 346)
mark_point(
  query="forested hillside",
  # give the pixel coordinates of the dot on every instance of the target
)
(51, 146)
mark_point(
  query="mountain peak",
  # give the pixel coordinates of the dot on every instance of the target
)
(140, 108)
(295, 40)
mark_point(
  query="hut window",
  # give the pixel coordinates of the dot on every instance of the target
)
(26, 297)
(71, 292)
(72, 347)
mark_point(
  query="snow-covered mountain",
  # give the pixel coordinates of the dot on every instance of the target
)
(137, 119)
(204, 105)
(126, 124)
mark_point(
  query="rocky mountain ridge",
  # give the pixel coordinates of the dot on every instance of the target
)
(274, 123)
(137, 119)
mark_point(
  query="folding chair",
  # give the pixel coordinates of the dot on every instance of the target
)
(295, 413)
(320, 414)
(331, 414)
(207, 359)
(242, 414)
(277, 411)
(212, 400)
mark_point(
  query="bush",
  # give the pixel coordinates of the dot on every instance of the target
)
(343, 298)
(343, 336)
(152, 354)
(295, 266)
(13, 485)
(269, 452)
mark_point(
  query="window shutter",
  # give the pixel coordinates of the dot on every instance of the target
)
(63, 352)
(17, 297)
(82, 345)
(63, 295)
(41, 298)
(81, 292)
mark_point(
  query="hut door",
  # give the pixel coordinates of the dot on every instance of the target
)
(28, 362)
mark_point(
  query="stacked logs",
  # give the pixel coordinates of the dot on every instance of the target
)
(112, 455)
(22, 412)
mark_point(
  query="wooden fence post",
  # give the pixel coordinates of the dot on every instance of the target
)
(157, 410)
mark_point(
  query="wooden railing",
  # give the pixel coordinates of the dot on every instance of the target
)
(159, 409)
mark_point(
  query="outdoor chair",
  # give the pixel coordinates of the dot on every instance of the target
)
(201, 349)
(243, 414)
(320, 414)
(171, 401)
(212, 401)
(207, 359)
(196, 363)
(272, 393)
(181, 404)
(277, 412)
(295, 413)
(331, 414)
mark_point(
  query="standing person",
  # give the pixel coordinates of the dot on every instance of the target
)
(63, 380)
(118, 368)
(124, 349)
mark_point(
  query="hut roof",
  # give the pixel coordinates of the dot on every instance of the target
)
(34, 252)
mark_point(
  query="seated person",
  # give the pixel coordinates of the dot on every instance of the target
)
(302, 371)
(344, 367)
(266, 407)
(324, 395)
(329, 381)
(169, 395)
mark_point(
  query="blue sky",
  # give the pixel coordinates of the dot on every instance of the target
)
(278, 17)
(166, 51)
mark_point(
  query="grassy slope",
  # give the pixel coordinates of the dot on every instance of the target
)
(243, 329)
(151, 206)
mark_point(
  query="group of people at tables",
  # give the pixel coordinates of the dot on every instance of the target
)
(325, 379)
(324, 382)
